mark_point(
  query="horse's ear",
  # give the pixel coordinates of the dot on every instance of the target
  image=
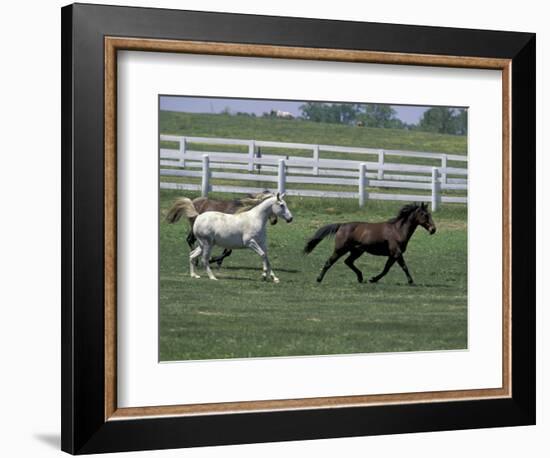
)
(278, 196)
(424, 206)
(282, 196)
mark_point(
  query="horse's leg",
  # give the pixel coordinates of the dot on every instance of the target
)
(349, 262)
(255, 246)
(192, 256)
(191, 239)
(330, 261)
(263, 246)
(207, 249)
(390, 262)
(401, 262)
(219, 259)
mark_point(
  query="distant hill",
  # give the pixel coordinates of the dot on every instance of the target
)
(284, 130)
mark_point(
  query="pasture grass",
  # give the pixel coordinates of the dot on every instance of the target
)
(242, 316)
(301, 131)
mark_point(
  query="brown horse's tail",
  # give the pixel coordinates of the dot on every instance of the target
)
(325, 231)
(182, 206)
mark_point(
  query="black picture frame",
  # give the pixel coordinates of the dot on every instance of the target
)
(84, 428)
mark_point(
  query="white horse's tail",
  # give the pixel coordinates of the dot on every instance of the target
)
(182, 206)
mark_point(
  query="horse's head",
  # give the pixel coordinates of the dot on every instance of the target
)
(280, 209)
(262, 196)
(424, 218)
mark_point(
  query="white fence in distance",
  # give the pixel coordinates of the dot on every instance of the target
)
(283, 169)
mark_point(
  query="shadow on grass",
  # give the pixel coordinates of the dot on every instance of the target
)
(406, 285)
(222, 277)
(259, 269)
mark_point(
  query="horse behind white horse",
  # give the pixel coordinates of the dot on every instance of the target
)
(233, 231)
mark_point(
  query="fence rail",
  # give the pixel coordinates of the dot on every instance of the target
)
(276, 170)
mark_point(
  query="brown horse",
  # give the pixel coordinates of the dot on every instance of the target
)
(204, 204)
(380, 239)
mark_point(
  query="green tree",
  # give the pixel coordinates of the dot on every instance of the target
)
(444, 120)
(461, 121)
(337, 113)
(346, 112)
(375, 115)
(369, 115)
(312, 111)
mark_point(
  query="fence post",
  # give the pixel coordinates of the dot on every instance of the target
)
(316, 160)
(281, 177)
(436, 189)
(363, 183)
(258, 154)
(205, 183)
(444, 168)
(183, 149)
(381, 164)
(251, 154)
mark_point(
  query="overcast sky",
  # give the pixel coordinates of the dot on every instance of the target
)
(406, 113)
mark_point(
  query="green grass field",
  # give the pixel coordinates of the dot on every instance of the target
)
(242, 316)
(283, 130)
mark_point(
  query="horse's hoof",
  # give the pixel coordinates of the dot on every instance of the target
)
(319, 279)
(360, 280)
(373, 280)
(213, 278)
(195, 276)
(276, 280)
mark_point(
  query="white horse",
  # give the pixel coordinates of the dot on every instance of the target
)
(234, 231)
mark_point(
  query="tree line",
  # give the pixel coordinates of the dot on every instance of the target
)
(436, 119)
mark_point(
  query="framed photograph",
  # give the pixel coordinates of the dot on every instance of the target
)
(281, 229)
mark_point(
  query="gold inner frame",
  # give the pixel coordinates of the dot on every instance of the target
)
(114, 44)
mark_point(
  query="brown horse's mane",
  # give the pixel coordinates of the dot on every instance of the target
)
(405, 212)
(248, 203)
(239, 204)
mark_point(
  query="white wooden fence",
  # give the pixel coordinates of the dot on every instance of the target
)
(276, 170)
